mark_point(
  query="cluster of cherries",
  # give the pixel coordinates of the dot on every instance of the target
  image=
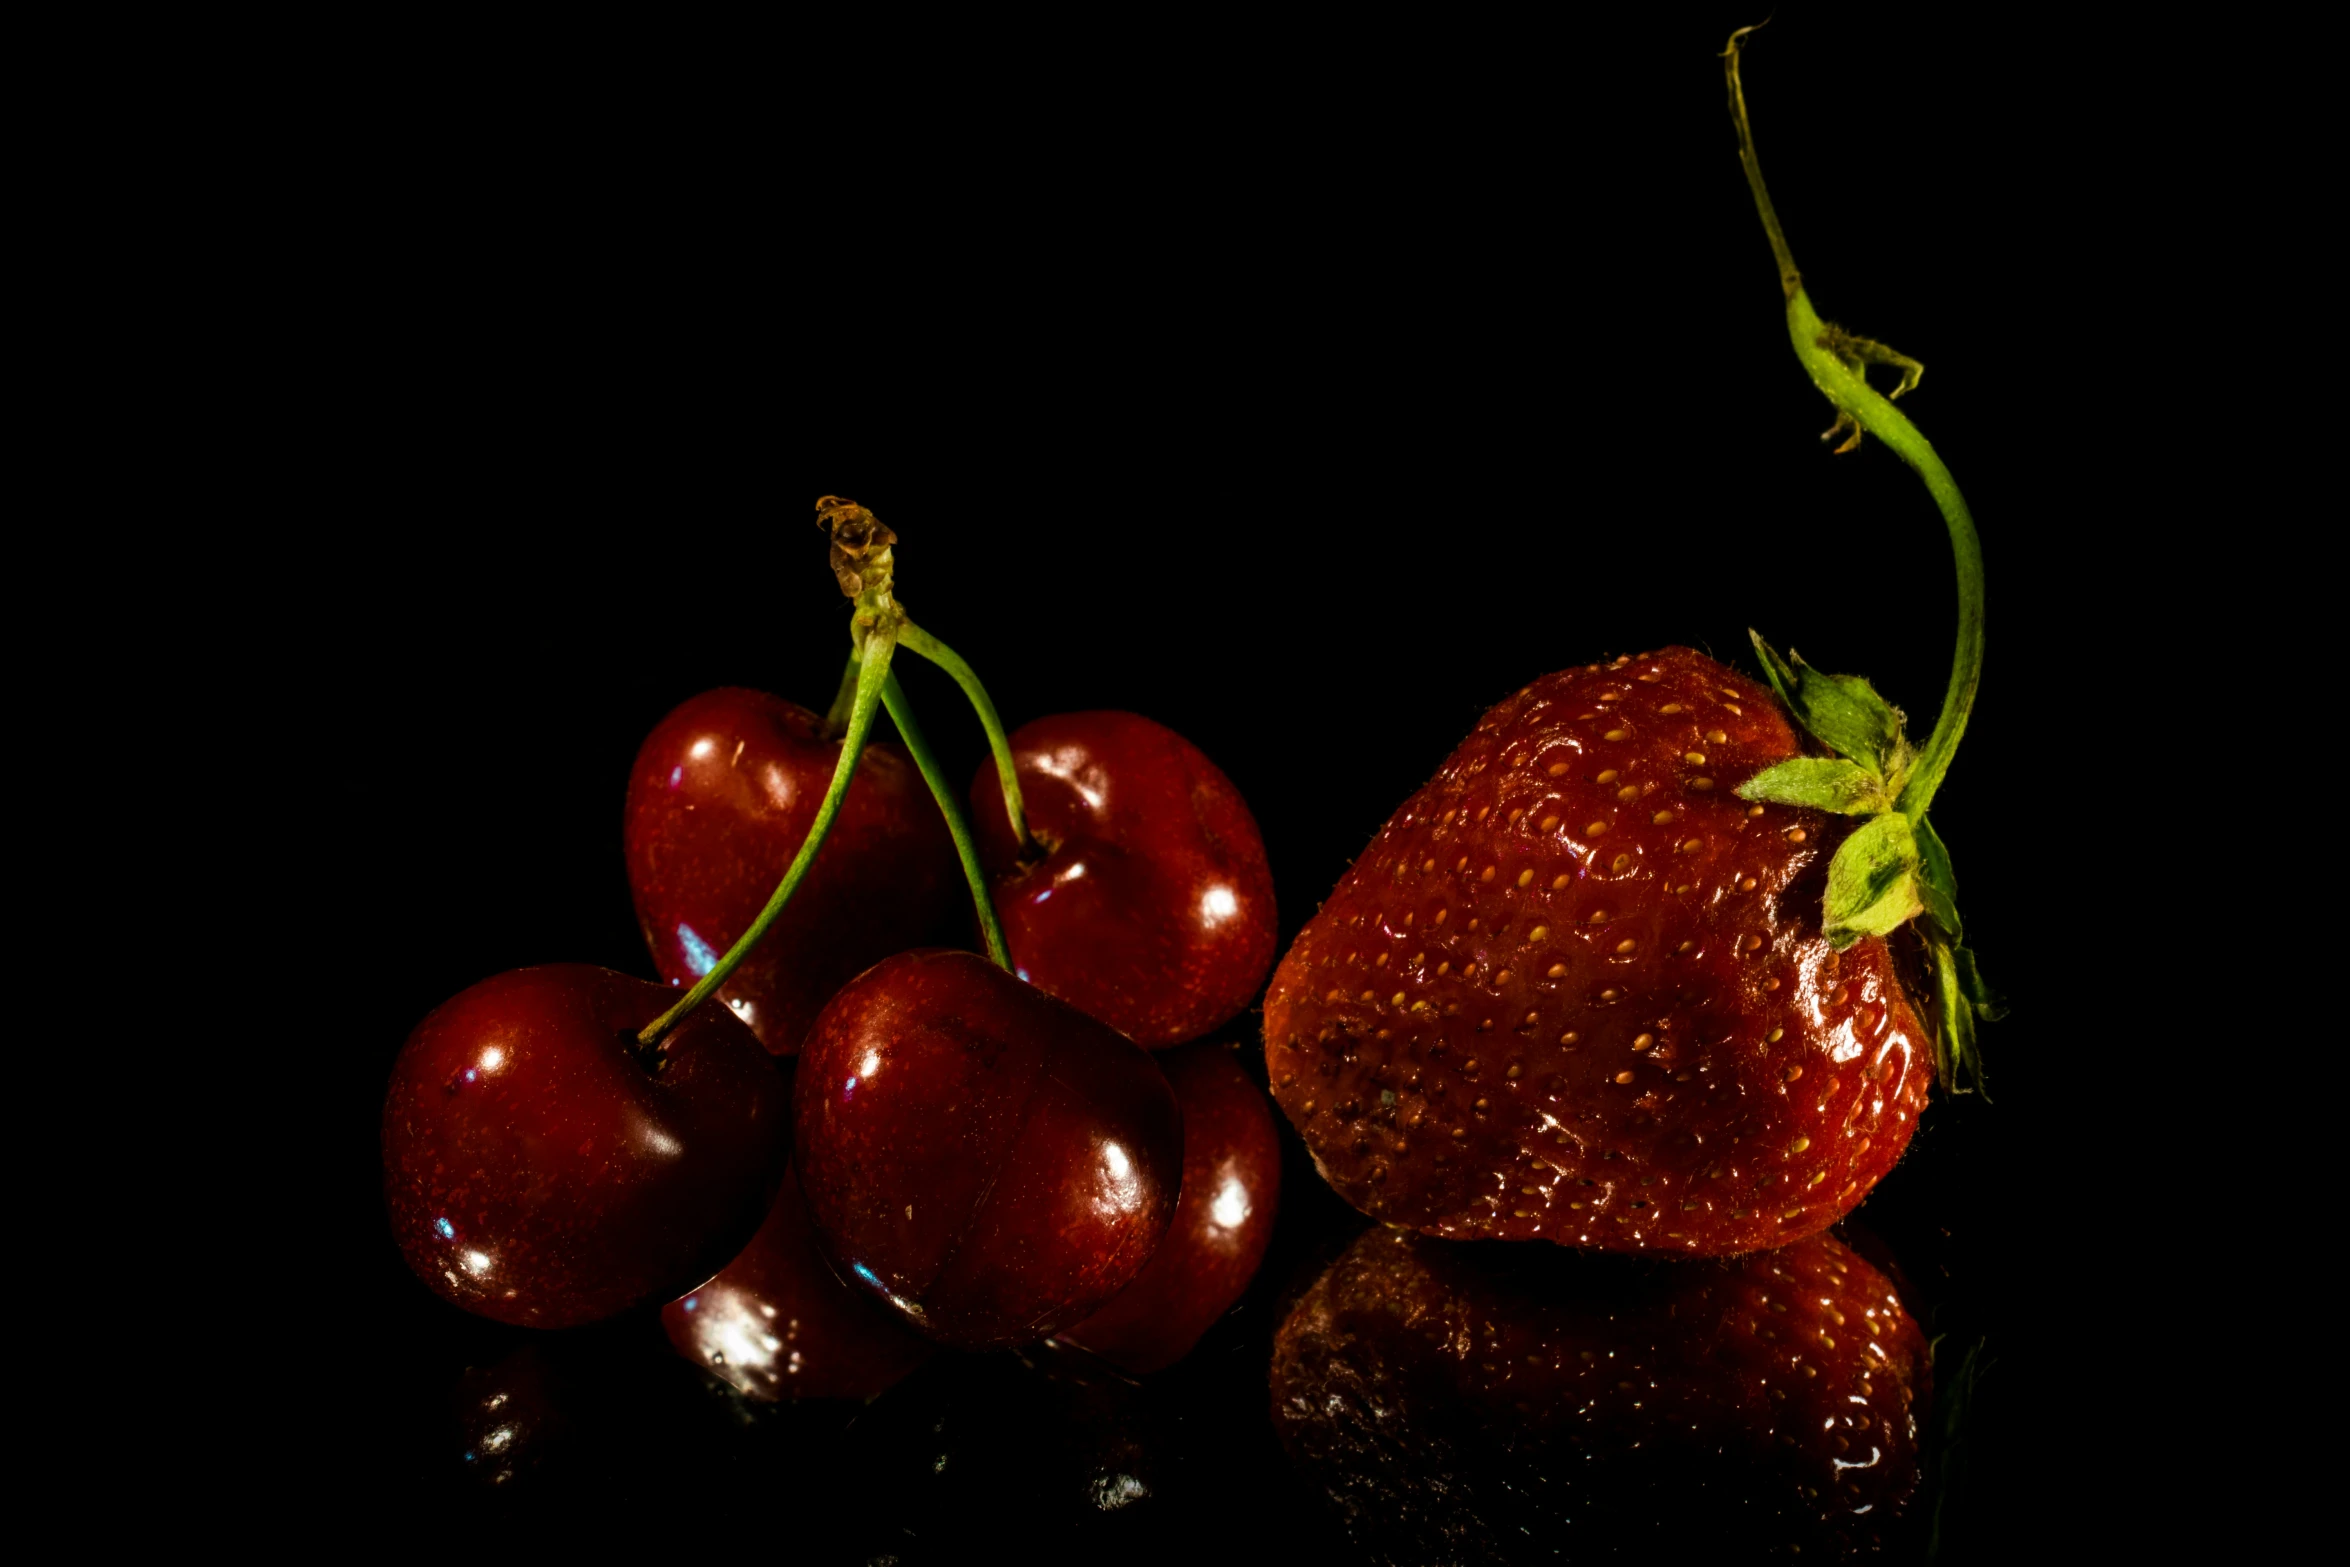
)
(873, 1146)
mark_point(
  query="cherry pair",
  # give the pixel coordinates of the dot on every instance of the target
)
(1141, 896)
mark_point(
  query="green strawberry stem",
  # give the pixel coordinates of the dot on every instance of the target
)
(872, 679)
(1893, 868)
(1836, 362)
(901, 712)
(1874, 413)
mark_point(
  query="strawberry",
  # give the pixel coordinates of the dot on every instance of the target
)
(1578, 989)
(1486, 1403)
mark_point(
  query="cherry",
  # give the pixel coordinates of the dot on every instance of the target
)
(777, 1323)
(990, 1161)
(543, 1168)
(1223, 1218)
(723, 793)
(1151, 906)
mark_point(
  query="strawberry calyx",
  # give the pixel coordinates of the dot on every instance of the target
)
(1893, 868)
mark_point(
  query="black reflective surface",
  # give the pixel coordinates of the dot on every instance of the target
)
(1485, 391)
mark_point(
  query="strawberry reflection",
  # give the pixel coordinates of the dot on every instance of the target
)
(1507, 1403)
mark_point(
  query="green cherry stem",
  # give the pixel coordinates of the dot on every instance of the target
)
(872, 678)
(864, 560)
(914, 639)
(901, 713)
(1836, 362)
(844, 700)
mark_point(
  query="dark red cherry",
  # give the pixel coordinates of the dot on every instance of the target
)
(1223, 1219)
(990, 1161)
(721, 797)
(1458, 1399)
(538, 1172)
(777, 1322)
(1152, 908)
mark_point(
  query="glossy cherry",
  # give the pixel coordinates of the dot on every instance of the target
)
(538, 1171)
(777, 1323)
(990, 1161)
(1223, 1219)
(721, 797)
(1152, 905)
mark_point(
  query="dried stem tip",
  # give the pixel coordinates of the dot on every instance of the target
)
(860, 544)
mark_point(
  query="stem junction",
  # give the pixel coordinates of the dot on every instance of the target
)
(864, 559)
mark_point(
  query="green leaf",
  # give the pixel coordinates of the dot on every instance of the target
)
(1822, 782)
(1843, 712)
(1990, 1003)
(1775, 669)
(1936, 884)
(1950, 1501)
(1872, 882)
(1958, 1062)
(1846, 712)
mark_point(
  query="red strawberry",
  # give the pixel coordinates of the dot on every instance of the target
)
(1506, 1403)
(1577, 989)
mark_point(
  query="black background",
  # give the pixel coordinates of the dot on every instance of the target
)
(1308, 402)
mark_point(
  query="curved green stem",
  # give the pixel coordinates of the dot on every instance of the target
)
(901, 713)
(1790, 280)
(915, 639)
(872, 676)
(1870, 410)
(844, 700)
(1836, 362)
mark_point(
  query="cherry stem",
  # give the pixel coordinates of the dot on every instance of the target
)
(836, 718)
(901, 712)
(872, 678)
(1843, 378)
(914, 639)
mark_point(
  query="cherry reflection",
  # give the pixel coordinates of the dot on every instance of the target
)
(1041, 1455)
(1504, 1402)
(507, 1419)
(778, 1324)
